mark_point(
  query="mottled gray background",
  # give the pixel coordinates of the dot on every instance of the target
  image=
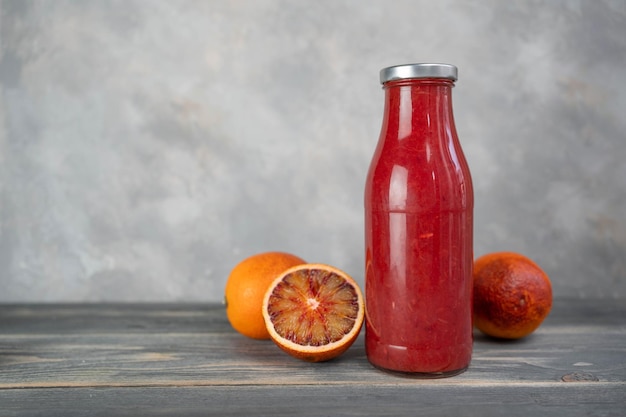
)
(148, 146)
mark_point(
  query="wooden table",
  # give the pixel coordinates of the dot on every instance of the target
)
(181, 359)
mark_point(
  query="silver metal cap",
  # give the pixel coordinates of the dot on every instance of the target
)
(402, 72)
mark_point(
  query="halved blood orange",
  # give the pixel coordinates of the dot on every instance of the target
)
(313, 311)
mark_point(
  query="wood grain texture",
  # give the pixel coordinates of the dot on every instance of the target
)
(164, 359)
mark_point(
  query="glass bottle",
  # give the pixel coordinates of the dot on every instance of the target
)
(419, 229)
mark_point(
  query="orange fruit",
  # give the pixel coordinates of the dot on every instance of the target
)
(314, 312)
(245, 287)
(512, 295)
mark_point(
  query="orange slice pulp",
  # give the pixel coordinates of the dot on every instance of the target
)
(313, 311)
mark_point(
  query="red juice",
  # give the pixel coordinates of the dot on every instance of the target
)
(418, 230)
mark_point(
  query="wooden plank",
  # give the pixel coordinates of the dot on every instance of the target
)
(162, 345)
(110, 355)
(204, 359)
(112, 318)
(363, 400)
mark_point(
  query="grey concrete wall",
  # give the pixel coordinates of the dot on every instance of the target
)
(148, 146)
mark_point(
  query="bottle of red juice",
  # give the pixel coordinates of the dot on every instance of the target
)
(418, 230)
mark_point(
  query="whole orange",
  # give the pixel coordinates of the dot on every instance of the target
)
(246, 286)
(512, 295)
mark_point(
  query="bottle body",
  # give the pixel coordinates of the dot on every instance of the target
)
(419, 236)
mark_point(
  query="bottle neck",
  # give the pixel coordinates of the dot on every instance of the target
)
(418, 108)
